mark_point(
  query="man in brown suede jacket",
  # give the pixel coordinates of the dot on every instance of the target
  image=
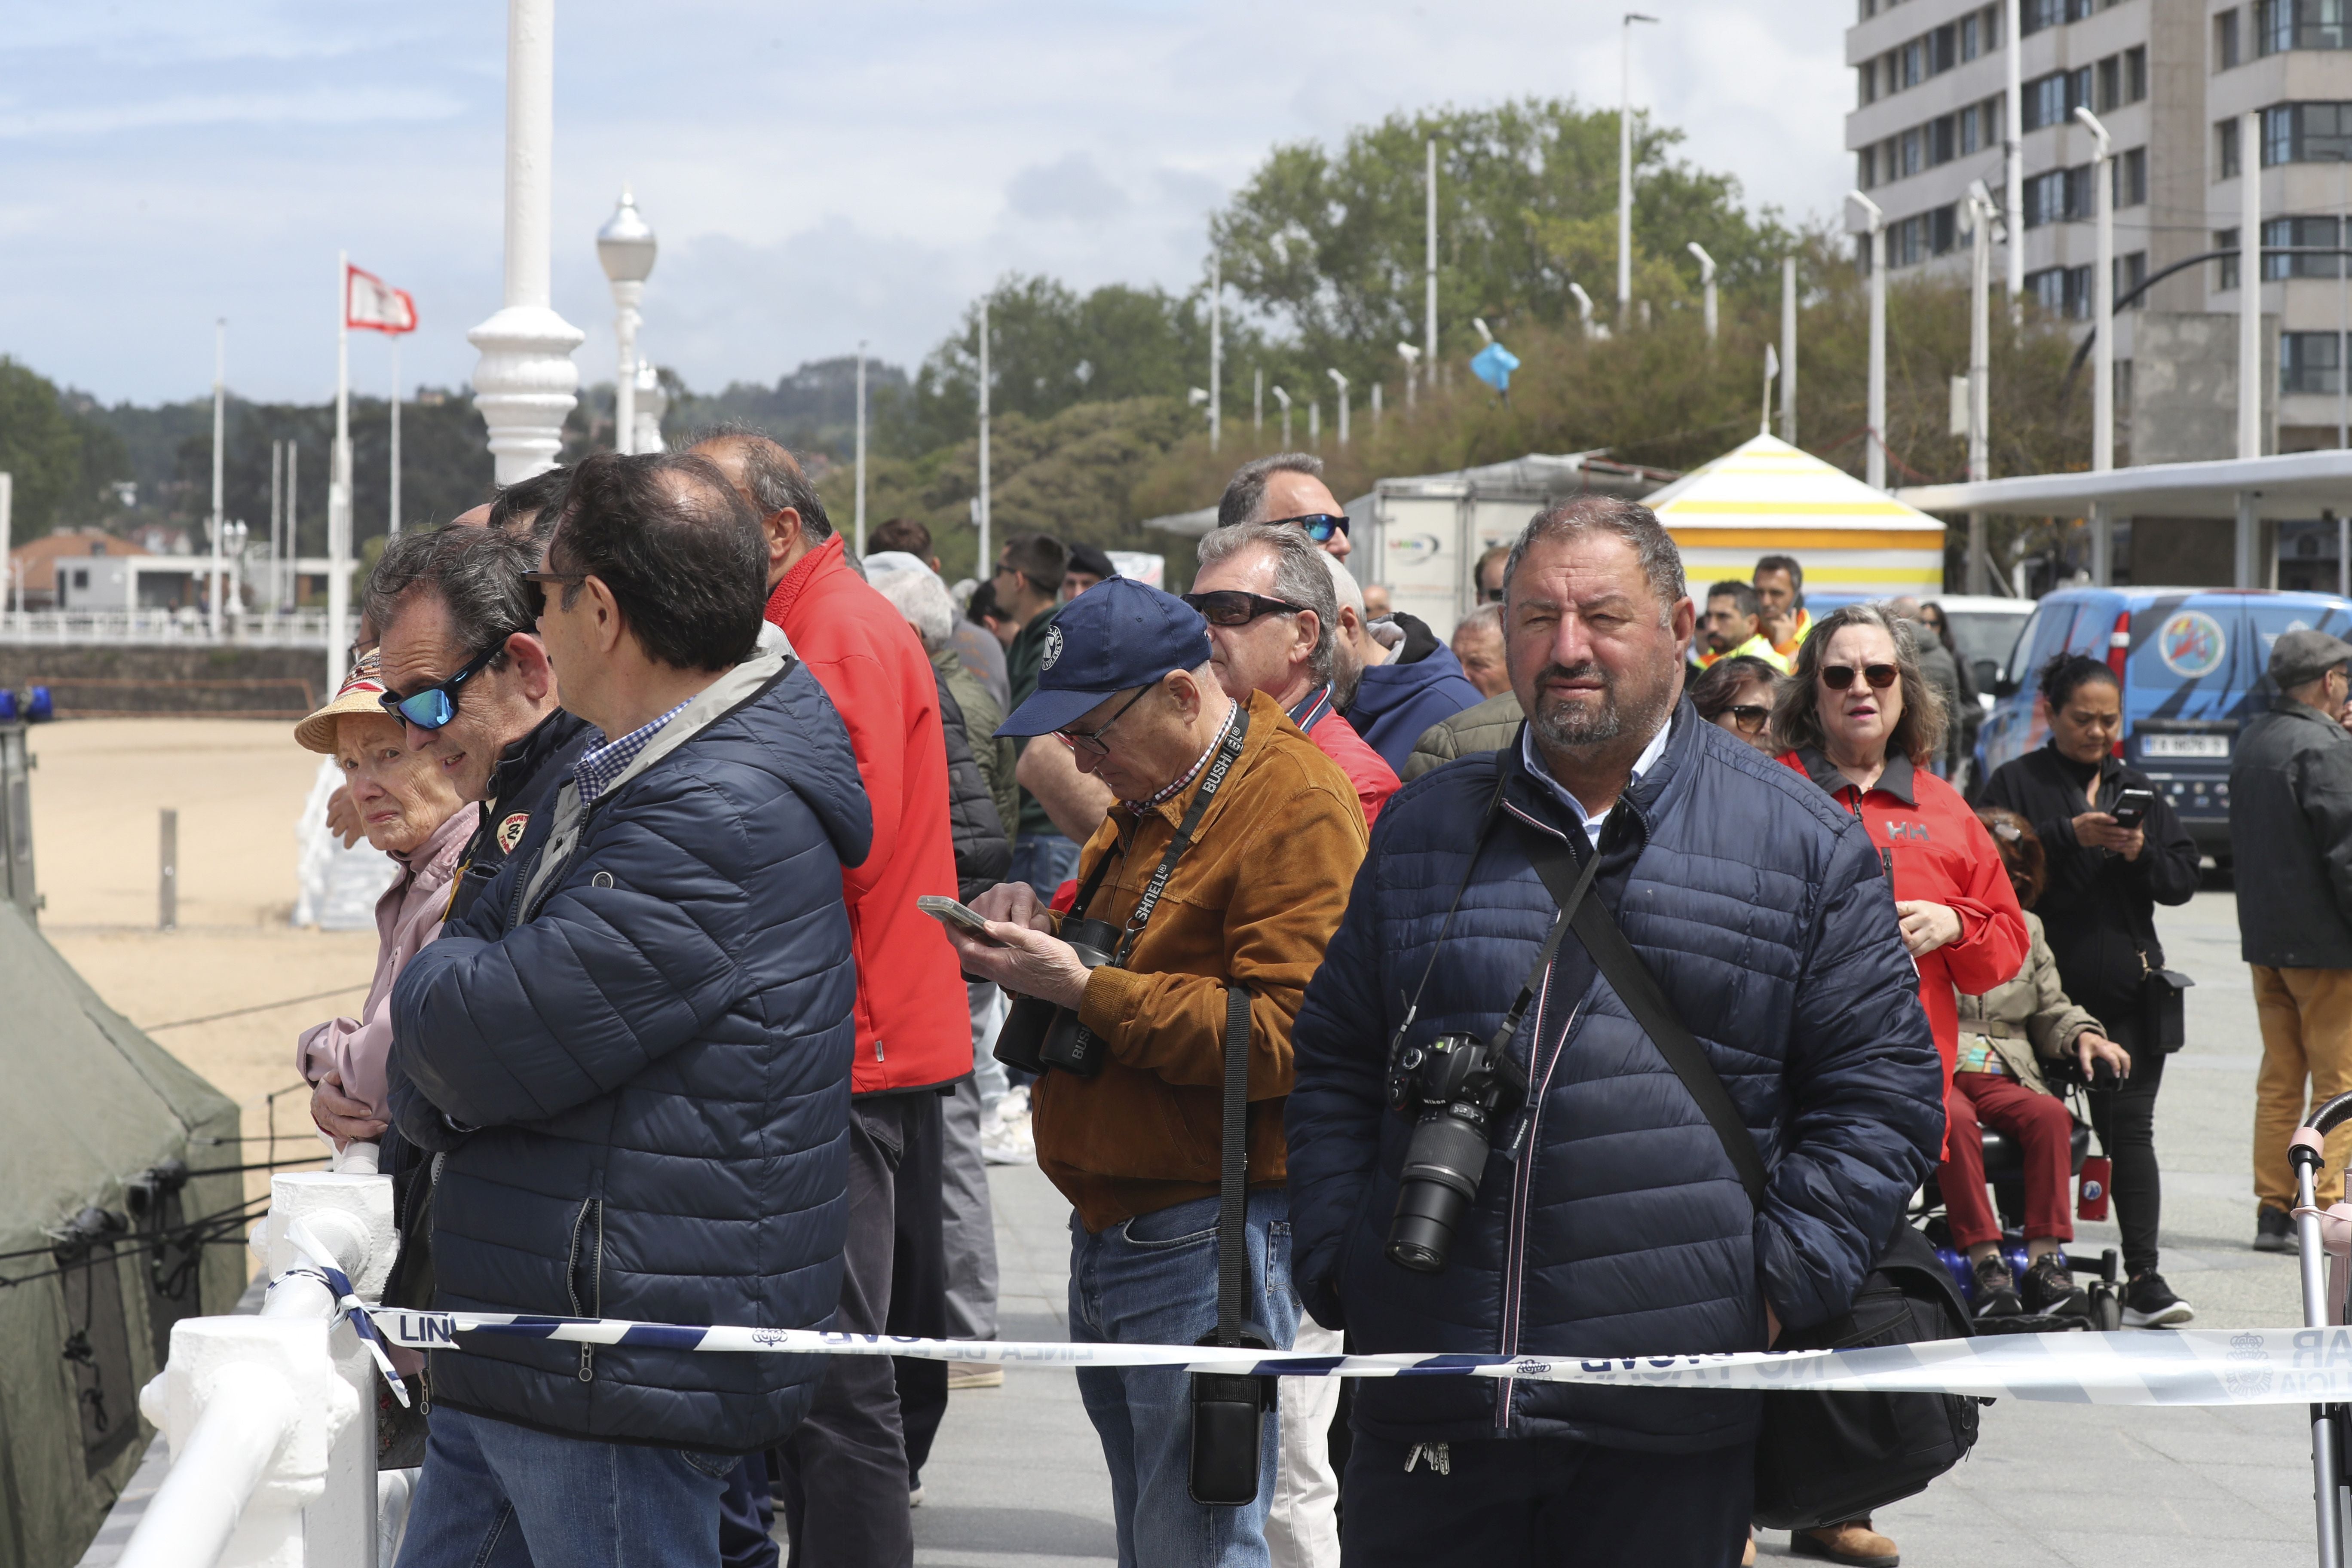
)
(1125, 681)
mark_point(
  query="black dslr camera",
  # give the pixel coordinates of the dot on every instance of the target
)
(1457, 1087)
(1037, 1035)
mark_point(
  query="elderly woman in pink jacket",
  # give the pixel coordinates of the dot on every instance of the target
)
(410, 811)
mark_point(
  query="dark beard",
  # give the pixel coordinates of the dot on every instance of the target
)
(1559, 726)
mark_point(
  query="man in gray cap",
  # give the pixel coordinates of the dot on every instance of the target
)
(2291, 838)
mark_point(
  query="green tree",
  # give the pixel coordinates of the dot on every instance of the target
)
(61, 458)
(1330, 244)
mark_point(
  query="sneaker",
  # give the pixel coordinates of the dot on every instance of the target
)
(2273, 1230)
(915, 1495)
(1996, 1293)
(973, 1374)
(2051, 1290)
(1005, 1137)
(1852, 1542)
(2149, 1303)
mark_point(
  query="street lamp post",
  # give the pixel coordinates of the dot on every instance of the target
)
(652, 403)
(1410, 356)
(2103, 310)
(1788, 350)
(1979, 212)
(986, 562)
(625, 247)
(1875, 462)
(1625, 165)
(1706, 281)
(220, 404)
(861, 449)
(2013, 155)
(525, 382)
(1429, 235)
(1283, 398)
(1341, 383)
(2249, 286)
(1216, 348)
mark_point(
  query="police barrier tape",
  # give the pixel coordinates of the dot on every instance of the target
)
(2218, 1366)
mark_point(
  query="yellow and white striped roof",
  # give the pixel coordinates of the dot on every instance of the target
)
(1767, 498)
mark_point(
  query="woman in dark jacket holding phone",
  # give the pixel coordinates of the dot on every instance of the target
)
(2115, 851)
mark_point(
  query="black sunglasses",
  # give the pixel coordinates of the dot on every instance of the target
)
(534, 591)
(1231, 607)
(438, 704)
(1319, 525)
(1838, 677)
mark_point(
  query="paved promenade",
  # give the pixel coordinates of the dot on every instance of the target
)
(1017, 1476)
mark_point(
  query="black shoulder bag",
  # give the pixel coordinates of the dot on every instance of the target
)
(1229, 1408)
(1821, 1459)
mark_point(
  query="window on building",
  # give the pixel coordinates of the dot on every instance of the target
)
(1865, 86)
(2301, 247)
(2131, 271)
(81, 577)
(2225, 40)
(1908, 157)
(1943, 48)
(2080, 10)
(1973, 42)
(2311, 362)
(1943, 133)
(2063, 289)
(2044, 101)
(2047, 197)
(1866, 9)
(1915, 63)
(2306, 133)
(1944, 228)
(2225, 149)
(2135, 74)
(2111, 82)
(1865, 174)
(2226, 239)
(2035, 15)
(2284, 24)
(1971, 130)
(2131, 178)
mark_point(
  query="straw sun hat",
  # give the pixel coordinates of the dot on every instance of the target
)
(361, 689)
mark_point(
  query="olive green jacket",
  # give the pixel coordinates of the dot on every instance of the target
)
(1488, 727)
(2028, 1020)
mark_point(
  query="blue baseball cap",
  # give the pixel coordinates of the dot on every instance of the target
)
(1115, 637)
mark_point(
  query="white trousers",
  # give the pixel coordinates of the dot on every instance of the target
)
(1303, 1529)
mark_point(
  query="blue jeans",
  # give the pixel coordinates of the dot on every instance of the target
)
(1044, 861)
(494, 1495)
(1152, 1279)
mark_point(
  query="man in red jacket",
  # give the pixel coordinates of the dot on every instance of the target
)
(845, 1479)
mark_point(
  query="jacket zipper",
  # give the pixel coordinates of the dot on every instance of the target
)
(432, 1191)
(1522, 1187)
(590, 1209)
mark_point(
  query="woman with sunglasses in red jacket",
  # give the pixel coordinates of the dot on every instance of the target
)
(1856, 719)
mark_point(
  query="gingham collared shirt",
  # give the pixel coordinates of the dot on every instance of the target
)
(599, 765)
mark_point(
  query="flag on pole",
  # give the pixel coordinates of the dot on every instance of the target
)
(374, 305)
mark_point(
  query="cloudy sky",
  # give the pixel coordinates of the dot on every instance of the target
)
(817, 175)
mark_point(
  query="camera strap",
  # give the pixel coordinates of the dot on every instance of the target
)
(1638, 989)
(1228, 752)
(1232, 1194)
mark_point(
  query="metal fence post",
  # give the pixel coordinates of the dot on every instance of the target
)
(16, 822)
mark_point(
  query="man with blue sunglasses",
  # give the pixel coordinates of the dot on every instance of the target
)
(1287, 488)
(469, 681)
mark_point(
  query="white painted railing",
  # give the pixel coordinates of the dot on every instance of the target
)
(295, 629)
(271, 1419)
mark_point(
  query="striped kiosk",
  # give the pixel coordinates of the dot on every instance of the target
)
(1767, 498)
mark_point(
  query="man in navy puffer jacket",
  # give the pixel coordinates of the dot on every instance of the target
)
(631, 1060)
(1623, 1227)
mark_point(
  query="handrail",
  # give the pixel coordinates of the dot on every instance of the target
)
(194, 1514)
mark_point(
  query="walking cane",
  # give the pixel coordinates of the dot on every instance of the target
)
(2322, 1309)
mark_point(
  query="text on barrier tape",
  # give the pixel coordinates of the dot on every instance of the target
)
(2217, 1366)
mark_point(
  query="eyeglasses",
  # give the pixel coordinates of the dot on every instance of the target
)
(1490, 595)
(1231, 607)
(437, 703)
(1319, 525)
(535, 588)
(1748, 717)
(1838, 677)
(1091, 744)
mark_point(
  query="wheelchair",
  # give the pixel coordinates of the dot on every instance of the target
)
(2004, 1165)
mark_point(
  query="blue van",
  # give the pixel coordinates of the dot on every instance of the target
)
(2193, 663)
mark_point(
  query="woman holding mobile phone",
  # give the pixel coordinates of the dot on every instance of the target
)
(2115, 851)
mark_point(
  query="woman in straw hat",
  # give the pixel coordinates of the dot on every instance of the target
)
(411, 812)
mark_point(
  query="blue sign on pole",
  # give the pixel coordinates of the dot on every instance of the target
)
(1494, 364)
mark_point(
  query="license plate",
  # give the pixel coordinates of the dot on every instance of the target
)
(2184, 745)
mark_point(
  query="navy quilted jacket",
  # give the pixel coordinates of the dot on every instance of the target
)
(1622, 1229)
(633, 1058)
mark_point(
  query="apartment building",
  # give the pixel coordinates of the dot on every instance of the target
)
(2172, 80)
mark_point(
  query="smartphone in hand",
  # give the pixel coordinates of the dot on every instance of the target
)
(960, 916)
(2132, 806)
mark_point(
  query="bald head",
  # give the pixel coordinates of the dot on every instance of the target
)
(473, 517)
(790, 513)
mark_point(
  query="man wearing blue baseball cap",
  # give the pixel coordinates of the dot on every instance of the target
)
(1225, 863)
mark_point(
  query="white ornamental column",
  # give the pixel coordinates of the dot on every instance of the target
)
(526, 381)
(652, 403)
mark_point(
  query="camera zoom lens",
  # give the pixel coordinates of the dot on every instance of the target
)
(1442, 1167)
